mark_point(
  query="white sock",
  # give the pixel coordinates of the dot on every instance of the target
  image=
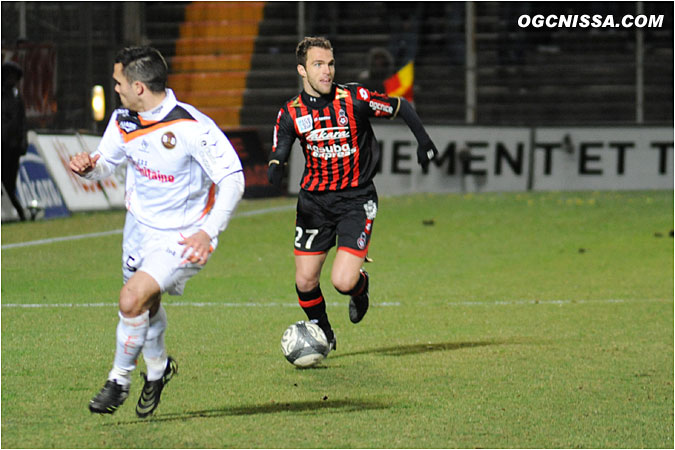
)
(154, 351)
(131, 334)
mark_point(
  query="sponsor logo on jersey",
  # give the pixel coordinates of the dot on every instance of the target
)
(362, 94)
(169, 140)
(328, 134)
(304, 123)
(127, 126)
(154, 174)
(331, 151)
(380, 106)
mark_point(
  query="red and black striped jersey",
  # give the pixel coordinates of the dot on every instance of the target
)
(340, 148)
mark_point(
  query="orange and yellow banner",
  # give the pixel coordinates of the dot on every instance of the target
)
(401, 83)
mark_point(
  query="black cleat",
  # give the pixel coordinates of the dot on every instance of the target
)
(358, 304)
(332, 345)
(109, 399)
(152, 390)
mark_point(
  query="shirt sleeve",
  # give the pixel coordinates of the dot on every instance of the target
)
(219, 160)
(229, 193)
(214, 153)
(111, 146)
(111, 149)
(375, 103)
(283, 138)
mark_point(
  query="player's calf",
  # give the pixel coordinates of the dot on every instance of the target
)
(359, 301)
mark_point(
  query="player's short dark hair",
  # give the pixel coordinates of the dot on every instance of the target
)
(144, 64)
(306, 44)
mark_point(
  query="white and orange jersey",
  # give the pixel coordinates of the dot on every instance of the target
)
(174, 156)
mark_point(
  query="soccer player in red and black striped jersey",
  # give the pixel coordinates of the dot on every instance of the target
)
(337, 197)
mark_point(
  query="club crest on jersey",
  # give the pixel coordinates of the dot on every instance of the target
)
(371, 209)
(304, 123)
(169, 140)
(342, 119)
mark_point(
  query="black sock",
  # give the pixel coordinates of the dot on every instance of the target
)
(314, 305)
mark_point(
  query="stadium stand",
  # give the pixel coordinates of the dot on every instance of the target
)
(235, 59)
(212, 56)
(570, 75)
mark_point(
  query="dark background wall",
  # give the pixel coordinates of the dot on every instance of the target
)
(545, 76)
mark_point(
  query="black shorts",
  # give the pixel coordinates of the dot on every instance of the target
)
(349, 215)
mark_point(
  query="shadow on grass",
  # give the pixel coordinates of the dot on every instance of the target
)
(413, 349)
(345, 405)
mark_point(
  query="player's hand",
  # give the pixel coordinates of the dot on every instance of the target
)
(83, 163)
(275, 172)
(197, 247)
(426, 151)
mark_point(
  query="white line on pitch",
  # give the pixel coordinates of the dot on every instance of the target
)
(119, 231)
(60, 239)
(168, 304)
(295, 305)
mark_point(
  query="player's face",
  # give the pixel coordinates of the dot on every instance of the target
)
(126, 90)
(318, 72)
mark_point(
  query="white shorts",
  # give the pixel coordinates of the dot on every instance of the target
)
(158, 253)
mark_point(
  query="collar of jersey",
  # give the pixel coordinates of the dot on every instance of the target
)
(318, 102)
(161, 111)
(149, 121)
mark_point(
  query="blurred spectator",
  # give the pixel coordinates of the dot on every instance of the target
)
(404, 18)
(14, 140)
(380, 67)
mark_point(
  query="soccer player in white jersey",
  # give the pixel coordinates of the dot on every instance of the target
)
(184, 180)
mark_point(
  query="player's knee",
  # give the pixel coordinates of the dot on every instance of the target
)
(131, 305)
(343, 281)
(306, 284)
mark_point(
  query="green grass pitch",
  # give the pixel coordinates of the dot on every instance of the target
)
(531, 320)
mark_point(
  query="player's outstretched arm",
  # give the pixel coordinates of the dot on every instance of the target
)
(426, 150)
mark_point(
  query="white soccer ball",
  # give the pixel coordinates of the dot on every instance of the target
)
(304, 344)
